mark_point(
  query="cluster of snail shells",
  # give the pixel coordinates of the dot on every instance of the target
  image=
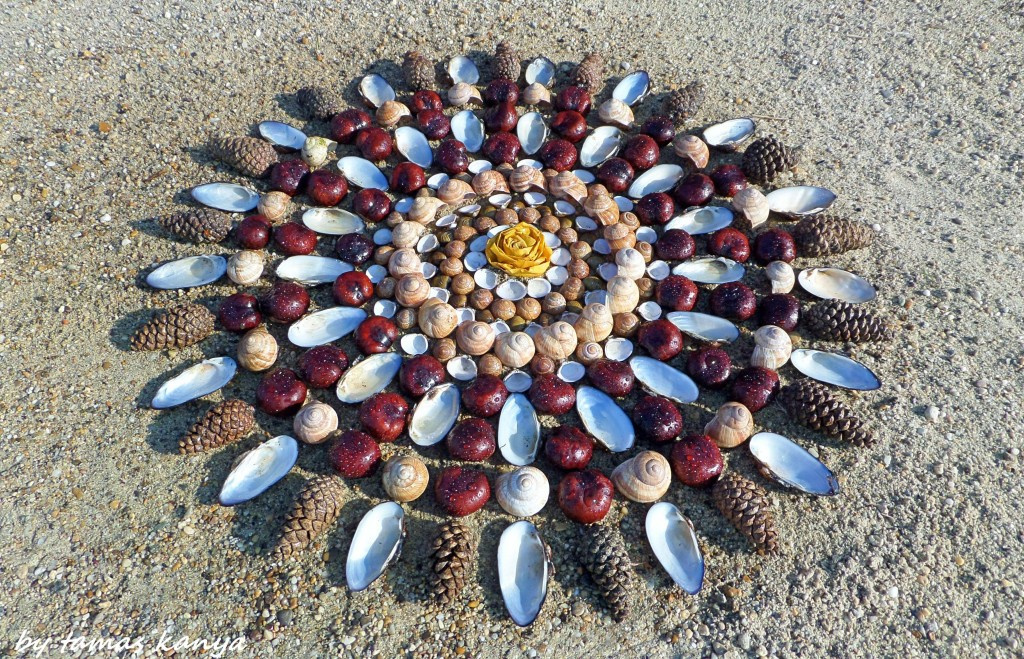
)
(644, 478)
(405, 478)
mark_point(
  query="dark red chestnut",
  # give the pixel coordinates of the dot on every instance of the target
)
(354, 454)
(729, 179)
(461, 491)
(294, 239)
(694, 190)
(345, 125)
(280, 392)
(322, 366)
(675, 245)
(352, 289)
(569, 448)
(709, 367)
(253, 232)
(354, 248)
(734, 300)
(661, 339)
(781, 310)
(774, 245)
(676, 293)
(485, 396)
(383, 416)
(420, 374)
(471, 440)
(239, 312)
(558, 154)
(696, 460)
(501, 90)
(569, 125)
(552, 395)
(657, 419)
(755, 387)
(501, 148)
(374, 143)
(286, 302)
(615, 174)
(585, 496)
(642, 152)
(654, 208)
(288, 176)
(371, 204)
(326, 188)
(424, 100)
(375, 335)
(407, 178)
(730, 243)
(451, 157)
(434, 124)
(573, 98)
(660, 129)
(501, 117)
(614, 378)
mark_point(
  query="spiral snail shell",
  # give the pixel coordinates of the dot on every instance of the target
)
(315, 151)
(488, 182)
(752, 205)
(557, 341)
(732, 425)
(475, 337)
(600, 206)
(615, 112)
(536, 94)
(257, 350)
(568, 186)
(595, 323)
(315, 422)
(619, 236)
(772, 347)
(405, 478)
(245, 267)
(406, 234)
(274, 205)
(781, 275)
(523, 492)
(391, 113)
(463, 93)
(631, 263)
(643, 478)
(623, 294)
(527, 179)
(589, 352)
(455, 191)
(412, 290)
(404, 261)
(424, 209)
(437, 319)
(514, 349)
(692, 148)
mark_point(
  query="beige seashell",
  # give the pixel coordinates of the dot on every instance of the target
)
(752, 205)
(437, 319)
(623, 295)
(514, 349)
(405, 478)
(595, 323)
(731, 426)
(527, 179)
(643, 478)
(692, 148)
(462, 93)
(568, 186)
(424, 210)
(631, 263)
(489, 182)
(772, 347)
(629, 220)
(589, 352)
(600, 206)
(522, 492)
(274, 206)
(455, 191)
(391, 113)
(619, 236)
(781, 275)
(557, 341)
(315, 151)
(536, 94)
(245, 267)
(412, 290)
(489, 365)
(615, 112)
(475, 337)
(404, 262)
(406, 234)
(315, 422)
(257, 350)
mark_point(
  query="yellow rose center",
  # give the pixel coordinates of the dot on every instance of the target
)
(520, 251)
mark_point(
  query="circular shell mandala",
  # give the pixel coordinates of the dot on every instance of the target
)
(533, 283)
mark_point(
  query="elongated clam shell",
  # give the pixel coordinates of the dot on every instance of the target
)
(282, 135)
(727, 135)
(376, 544)
(832, 368)
(540, 70)
(532, 132)
(788, 463)
(226, 197)
(312, 270)
(468, 129)
(704, 326)
(332, 221)
(605, 420)
(674, 543)
(258, 469)
(324, 326)
(663, 380)
(633, 88)
(800, 200)
(659, 178)
(518, 431)
(462, 69)
(603, 143)
(375, 90)
(414, 146)
(711, 270)
(194, 382)
(836, 284)
(362, 172)
(524, 566)
(188, 272)
(434, 415)
(368, 377)
(696, 221)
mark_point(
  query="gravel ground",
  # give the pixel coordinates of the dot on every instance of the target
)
(911, 111)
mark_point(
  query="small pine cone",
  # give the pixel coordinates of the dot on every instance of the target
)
(319, 102)
(684, 103)
(418, 70)
(745, 504)
(224, 423)
(810, 403)
(251, 156)
(318, 506)
(841, 321)
(199, 225)
(766, 158)
(825, 235)
(450, 559)
(506, 62)
(604, 556)
(177, 327)
(589, 74)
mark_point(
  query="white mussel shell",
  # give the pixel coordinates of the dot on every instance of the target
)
(664, 380)
(486, 279)
(649, 310)
(518, 382)
(585, 175)
(788, 463)
(194, 382)
(324, 326)
(226, 197)
(468, 129)
(518, 431)
(312, 270)
(646, 235)
(625, 204)
(833, 368)
(618, 349)
(511, 289)
(376, 273)
(605, 420)
(382, 237)
(188, 272)
(282, 135)
(480, 165)
(658, 270)
(368, 377)
(414, 146)
(836, 284)
(532, 132)
(711, 270)
(659, 178)
(697, 221)
(437, 180)
(800, 200)
(524, 565)
(557, 275)
(434, 415)
(500, 200)
(376, 544)
(332, 221)
(674, 543)
(523, 492)
(258, 469)
(538, 287)
(704, 326)
(633, 88)
(375, 90)
(727, 135)
(362, 172)
(600, 145)
(414, 344)
(571, 371)
(462, 69)
(540, 70)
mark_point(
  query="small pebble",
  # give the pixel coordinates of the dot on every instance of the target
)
(932, 414)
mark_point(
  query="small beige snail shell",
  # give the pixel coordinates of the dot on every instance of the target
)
(424, 209)
(455, 191)
(489, 182)
(391, 113)
(623, 294)
(403, 262)
(315, 151)
(475, 338)
(781, 275)
(568, 186)
(595, 323)
(615, 112)
(692, 148)
(772, 347)
(315, 422)
(412, 290)
(589, 352)
(631, 263)
(536, 94)
(257, 350)
(274, 205)
(405, 478)
(523, 492)
(600, 206)
(557, 341)
(514, 349)
(245, 267)
(619, 235)
(462, 93)
(643, 478)
(407, 234)
(731, 426)
(527, 179)
(752, 205)
(437, 319)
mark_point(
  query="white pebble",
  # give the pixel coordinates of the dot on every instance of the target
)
(932, 414)
(893, 592)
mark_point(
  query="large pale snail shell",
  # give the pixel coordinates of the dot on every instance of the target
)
(630, 263)
(315, 151)
(315, 422)
(527, 179)
(568, 186)
(595, 323)
(781, 275)
(462, 93)
(391, 113)
(274, 205)
(514, 349)
(643, 478)
(523, 492)
(589, 352)
(731, 426)
(623, 294)
(406, 234)
(437, 319)
(412, 290)
(692, 148)
(455, 191)
(600, 206)
(615, 112)
(772, 347)
(245, 267)
(257, 350)
(752, 205)
(557, 341)
(475, 337)
(489, 182)
(405, 478)
(404, 262)
(424, 209)
(536, 94)
(619, 235)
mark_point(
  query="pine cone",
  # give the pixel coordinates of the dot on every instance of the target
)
(506, 62)
(318, 506)
(824, 235)
(199, 225)
(604, 556)
(745, 505)
(318, 102)
(224, 423)
(589, 74)
(450, 559)
(810, 403)
(766, 158)
(177, 327)
(251, 156)
(683, 103)
(841, 321)
(418, 70)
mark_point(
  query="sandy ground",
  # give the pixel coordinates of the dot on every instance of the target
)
(911, 111)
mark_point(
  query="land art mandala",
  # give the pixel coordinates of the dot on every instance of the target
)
(529, 277)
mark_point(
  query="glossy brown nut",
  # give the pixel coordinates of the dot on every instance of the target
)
(374, 143)
(383, 416)
(585, 496)
(322, 366)
(425, 100)
(501, 148)
(657, 419)
(549, 394)
(573, 98)
(569, 448)
(294, 239)
(615, 174)
(709, 367)
(326, 188)
(655, 208)
(696, 460)
(354, 454)
(407, 178)
(288, 176)
(501, 90)
(471, 440)
(660, 129)
(676, 293)
(612, 377)
(728, 179)
(694, 190)
(239, 312)
(558, 154)
(286, 302)
(734, 300)
(661, 339)
(569, 125)
(755, 387)
(774, 245)
(375, 335)
(346, 125)
(371, 204)
(434, 124)
(420, 374)
(451, 157)
(461, 491)
(501, 117)
(485, 396)
(354, 248)
(675, 245)
(280, 392)
(253, 232)
(642, 152)
(730, 243)
(781, 310)
(352, 289)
